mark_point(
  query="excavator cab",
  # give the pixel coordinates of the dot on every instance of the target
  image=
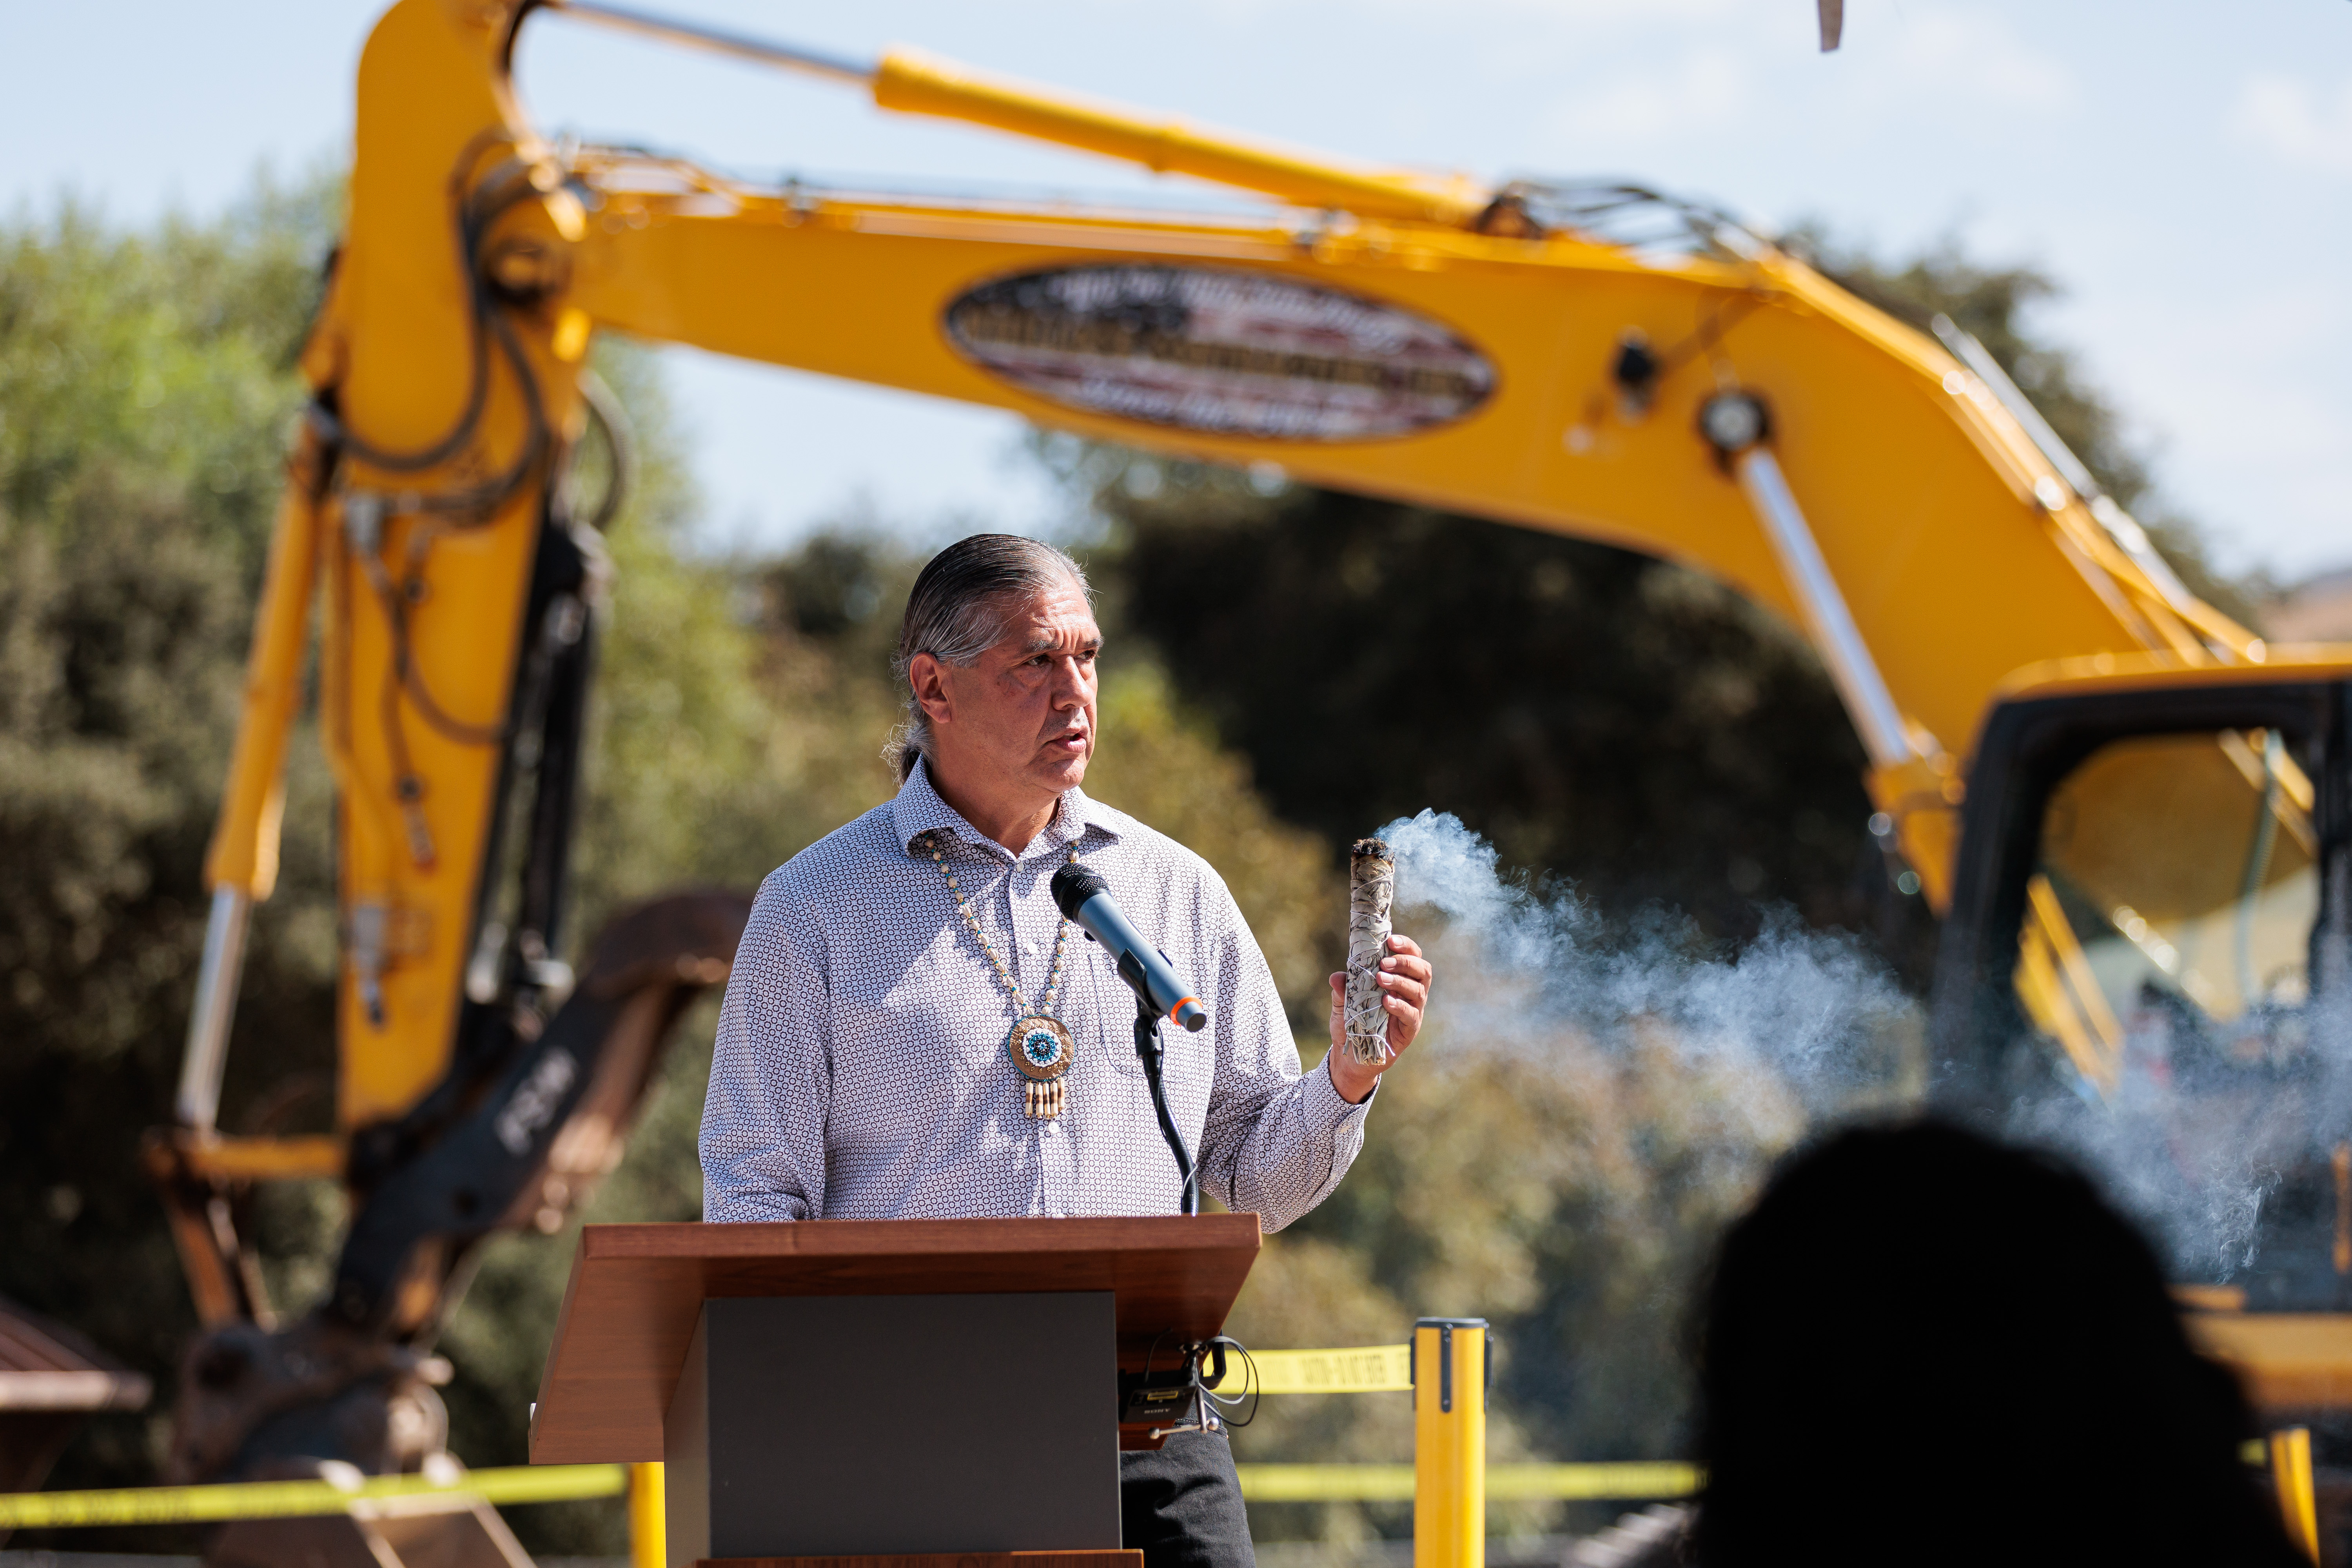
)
(2147, 952)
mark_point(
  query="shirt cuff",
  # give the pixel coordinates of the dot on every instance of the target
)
(1326, 1110)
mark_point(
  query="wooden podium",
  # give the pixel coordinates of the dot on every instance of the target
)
(879, 1388)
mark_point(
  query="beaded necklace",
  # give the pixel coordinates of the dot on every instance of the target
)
(1040, 1045)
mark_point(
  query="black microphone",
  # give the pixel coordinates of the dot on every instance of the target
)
(1085, 898)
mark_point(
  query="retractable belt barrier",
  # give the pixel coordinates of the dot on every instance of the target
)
(1369, 1369)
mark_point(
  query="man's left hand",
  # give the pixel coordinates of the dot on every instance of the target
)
(1404, 980)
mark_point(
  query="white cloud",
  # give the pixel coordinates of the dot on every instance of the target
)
(1952, 70)
(1981, 55)
(1963, 56)
(1696, 92)
(2238, 397)
(2304, 127)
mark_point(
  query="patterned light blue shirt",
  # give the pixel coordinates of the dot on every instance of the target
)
(861, 1071)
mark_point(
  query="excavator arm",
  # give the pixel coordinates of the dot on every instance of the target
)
(1510, 352)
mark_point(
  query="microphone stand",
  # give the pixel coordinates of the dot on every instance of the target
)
(1148, 1051)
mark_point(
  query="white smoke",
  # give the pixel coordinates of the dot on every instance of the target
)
(2203, 1164)
(1529, 969)
(2200, 1196)
(1527, 965)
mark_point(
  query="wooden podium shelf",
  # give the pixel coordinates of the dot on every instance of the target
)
(636, 1291)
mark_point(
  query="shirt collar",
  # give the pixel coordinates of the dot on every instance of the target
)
(919, 810)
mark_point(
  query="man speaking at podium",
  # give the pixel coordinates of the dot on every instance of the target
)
(913, 1029)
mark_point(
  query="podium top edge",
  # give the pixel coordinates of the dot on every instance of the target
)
(691, 1239)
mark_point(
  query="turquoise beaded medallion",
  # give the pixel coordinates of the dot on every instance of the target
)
(1040, 1045)
(1041, 1049)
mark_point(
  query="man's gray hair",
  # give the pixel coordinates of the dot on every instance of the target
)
(961, 603)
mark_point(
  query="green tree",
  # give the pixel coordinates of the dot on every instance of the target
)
(145, 387)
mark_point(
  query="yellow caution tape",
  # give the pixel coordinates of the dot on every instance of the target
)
(1372, 1369)
(289, 1499)
(1327, 1483)
(1631, 1481)
(562, 1483)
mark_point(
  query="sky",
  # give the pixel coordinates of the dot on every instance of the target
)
(2184, 168)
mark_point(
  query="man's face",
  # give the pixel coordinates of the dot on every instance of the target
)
(1021, 721)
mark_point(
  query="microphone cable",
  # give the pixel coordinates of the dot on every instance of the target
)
(1250, 1389)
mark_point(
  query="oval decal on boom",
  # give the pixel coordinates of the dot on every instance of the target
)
(1220, 350)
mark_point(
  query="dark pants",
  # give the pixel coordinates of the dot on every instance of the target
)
(1182, 1505)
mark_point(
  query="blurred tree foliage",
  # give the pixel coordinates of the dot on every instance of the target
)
(145, 387)
(1601, 716)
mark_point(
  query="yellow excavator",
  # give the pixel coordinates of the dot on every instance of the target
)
(2135, 819)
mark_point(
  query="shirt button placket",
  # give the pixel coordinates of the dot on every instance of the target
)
(1054, 1164)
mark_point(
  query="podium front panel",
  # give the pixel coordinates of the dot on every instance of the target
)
(817, 1426)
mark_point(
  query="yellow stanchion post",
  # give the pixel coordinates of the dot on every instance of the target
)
(648, 1526)
(2298, 1500)
(1449, 1443)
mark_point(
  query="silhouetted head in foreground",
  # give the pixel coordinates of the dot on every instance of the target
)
(1924, 1347)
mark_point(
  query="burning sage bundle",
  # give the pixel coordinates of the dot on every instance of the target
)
(1371, 890)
